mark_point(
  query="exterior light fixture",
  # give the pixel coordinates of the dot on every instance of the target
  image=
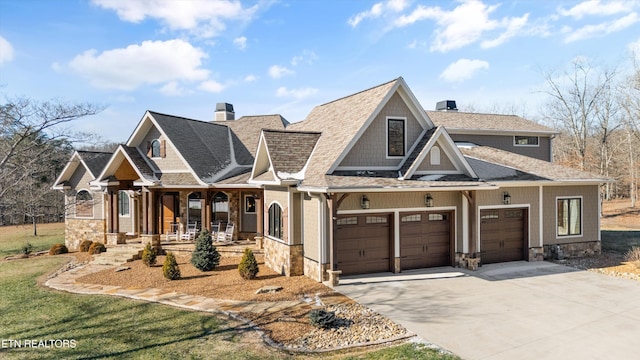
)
(428, 200)
(506, 198)
(364, 202)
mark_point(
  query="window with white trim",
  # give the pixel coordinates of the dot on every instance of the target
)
(84, 204)
(155, 148)
(395, 137)
(435, 155)
(526, 140)
(569, 211)
(123, 203)
(275, 221)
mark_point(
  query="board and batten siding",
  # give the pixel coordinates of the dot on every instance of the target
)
(505, 142)
(311, 224)
(171, 161)
(590, 215)
(445, 162)
(371, 148)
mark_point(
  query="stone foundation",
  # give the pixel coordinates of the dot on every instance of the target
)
(466, 261)
(153, 239)
(572, 250)
(396, 265)
(536, 254)
(116, 238)
(78, 230)
(282, 258)
(313, 270)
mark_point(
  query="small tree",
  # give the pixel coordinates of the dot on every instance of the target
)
(149, 255)
(170, 269)
(205, 257)
(248, 266)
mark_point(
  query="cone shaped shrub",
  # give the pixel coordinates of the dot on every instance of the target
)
(248, 266)
(85, 245)
(149, 255)
(97, 248)
(58, 249)
(205, 257)
(170, 269)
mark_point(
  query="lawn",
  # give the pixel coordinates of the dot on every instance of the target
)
(105, 327)
(619, 242)
(13, 238)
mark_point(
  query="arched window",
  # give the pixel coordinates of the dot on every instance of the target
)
(435, 155)
(275, 221)
(195, 208)
(123, 203)
(84, 204)
(155, 148)
(220, 208)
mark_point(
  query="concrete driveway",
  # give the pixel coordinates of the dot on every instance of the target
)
(516, 310)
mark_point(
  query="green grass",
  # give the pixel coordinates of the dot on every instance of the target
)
(619, 242)
(13, 238)
(105, 327)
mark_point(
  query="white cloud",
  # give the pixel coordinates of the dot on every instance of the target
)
(634, 48)
(240, 42)
(277, 71)
(295, 93)
(602, 29)
(464, 25)
(307, 56)
(171, 89)
(152, 62)
(202, 17)
(250, 78)
(463, 69)
(211, 86)
(596, 7)
(6, 51)
(377, 10)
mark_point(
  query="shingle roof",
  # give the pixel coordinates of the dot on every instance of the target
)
(139, 162)
(169, 179)
(331, 120)
(248, 128)
(95, 160)
(522, 167)
(416, 151)
(289, 151)
(346, 182)
(455, 120)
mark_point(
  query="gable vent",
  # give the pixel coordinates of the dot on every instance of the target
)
(446, 105)
(224, 112)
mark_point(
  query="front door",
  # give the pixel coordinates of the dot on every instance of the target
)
(168, 211)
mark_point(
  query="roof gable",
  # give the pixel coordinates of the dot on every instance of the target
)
(127, 163)
(92, 161)
(248, 128)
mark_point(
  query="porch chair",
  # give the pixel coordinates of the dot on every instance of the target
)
(215, 229)
(226, 237)
(191, 232)
(172, 232)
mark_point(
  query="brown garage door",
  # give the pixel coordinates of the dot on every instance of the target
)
(502, 235)
(425, 239)
(362, 243)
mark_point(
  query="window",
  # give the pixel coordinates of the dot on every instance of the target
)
(435, 155)
(411, 218)
(249, 204)
(353, 220)
(155, 148)
(84, 204)
(569, 217)
(376, 220)
(525, 140)
(275, 221)
(437, 217)
(489, 214)
(123, 203)
(395, 137)
(220, 207)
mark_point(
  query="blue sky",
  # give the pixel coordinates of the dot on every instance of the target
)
(286, 56)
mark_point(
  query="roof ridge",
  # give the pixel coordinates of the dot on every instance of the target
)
(185, 118)
(95, 151)
(293, 131)
(474, 113)
(360, 92)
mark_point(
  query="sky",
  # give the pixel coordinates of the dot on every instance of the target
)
(181, 57)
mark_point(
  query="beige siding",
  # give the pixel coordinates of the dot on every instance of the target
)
(281, 196)
(505, 142)
(171, 162)
(370, 149)
(590, 198)
(445, 163)
(80, 181)
(519, 196)
(311, 227)
(297, 218)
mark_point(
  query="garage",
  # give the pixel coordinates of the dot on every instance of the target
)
(425, 239)
(502, 235)
(362, 243)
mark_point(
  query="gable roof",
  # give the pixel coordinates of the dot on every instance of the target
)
(93, 162)
(457, 122)
(248, 128)
(133, 157)
(500, 165)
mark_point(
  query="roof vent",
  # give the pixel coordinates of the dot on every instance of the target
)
(224, 112)
(446, 105)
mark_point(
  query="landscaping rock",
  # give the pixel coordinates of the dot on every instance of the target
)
(268, 289)
(122, 268)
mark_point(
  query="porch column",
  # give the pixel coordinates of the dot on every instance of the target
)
(207, 211)
(330, 207)
(152, 210)
(473, 223)
(110, 224)
(114, 211)
(144, 208)
(259, 215)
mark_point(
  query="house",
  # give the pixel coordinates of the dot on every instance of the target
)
(378, 184)
(370, 182)
(172, 171)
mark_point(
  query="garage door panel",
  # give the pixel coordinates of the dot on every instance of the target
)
(425, 239)
(502, 235)
(362, 243)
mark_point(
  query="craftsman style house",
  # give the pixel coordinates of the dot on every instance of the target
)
(367, 183)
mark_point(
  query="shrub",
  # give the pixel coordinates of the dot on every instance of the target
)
(205, 257)
(85, 245)
(322, 318)
(97, 248)
(58, 249)
(633, 255)
(170, 269)
(27, 249)
(149, 255)
(248, 266)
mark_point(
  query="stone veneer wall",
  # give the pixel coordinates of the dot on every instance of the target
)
(312, 269)
(572, 250)
(77, 230)
(282, 258)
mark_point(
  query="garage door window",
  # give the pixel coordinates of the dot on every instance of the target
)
(570, 217)
(411, 218)
(489, 214)
(348, 221)
(437, 217)
(376, 219)
(275, 221)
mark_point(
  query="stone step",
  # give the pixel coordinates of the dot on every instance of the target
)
(117, 255)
